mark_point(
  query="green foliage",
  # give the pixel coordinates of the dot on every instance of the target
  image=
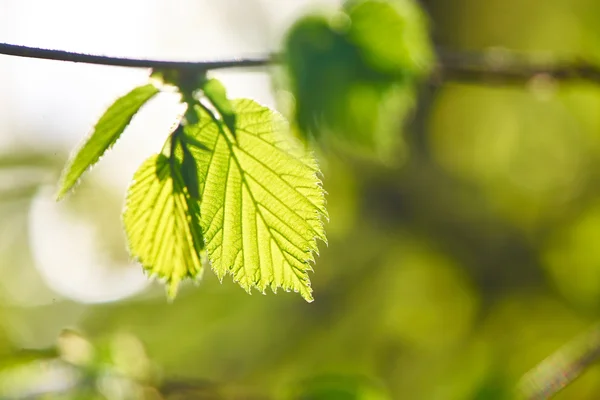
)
(262, 202)
(255, 198)
(162, 222)
(346, 72)
(231, 176)
(105, 134)
(235, 180)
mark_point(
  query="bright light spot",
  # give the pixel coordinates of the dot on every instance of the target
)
(66, 253)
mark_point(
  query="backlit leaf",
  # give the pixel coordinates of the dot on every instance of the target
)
(106, 132)
(261, 200)
(162, 222)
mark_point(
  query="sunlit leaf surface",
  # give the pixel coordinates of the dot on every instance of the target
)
(106, 132)
(261, 200)
(162, 222)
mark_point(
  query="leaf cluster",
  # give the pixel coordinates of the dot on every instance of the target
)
(232, 187)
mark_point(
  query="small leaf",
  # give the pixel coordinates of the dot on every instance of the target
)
(162, 222)
(106, 132)
(215, 92)
(261, 200)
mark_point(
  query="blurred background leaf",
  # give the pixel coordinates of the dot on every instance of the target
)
(353, 73)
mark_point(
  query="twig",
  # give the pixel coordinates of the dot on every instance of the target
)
(60, 55)
(562, 368)
(498, 66)
(487, 67)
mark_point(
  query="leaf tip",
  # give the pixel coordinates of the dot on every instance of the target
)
(60, 194)
(65, 184)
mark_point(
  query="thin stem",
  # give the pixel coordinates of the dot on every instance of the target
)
(497, 66)
(61, 55)
(562, 368)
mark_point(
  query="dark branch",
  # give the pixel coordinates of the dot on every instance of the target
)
(60, 55)
(505, 67)
(487, 67)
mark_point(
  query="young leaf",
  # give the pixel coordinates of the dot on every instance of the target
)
(162, 222)
(215, 92)
(106, 132)
(262, 201)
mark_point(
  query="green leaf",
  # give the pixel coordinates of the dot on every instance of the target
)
(322, 65)
(262, 202)
(162, 222)
(106, 132)
(215, 92)
(347, 76)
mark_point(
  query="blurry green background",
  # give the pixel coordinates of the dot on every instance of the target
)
(448, 274)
